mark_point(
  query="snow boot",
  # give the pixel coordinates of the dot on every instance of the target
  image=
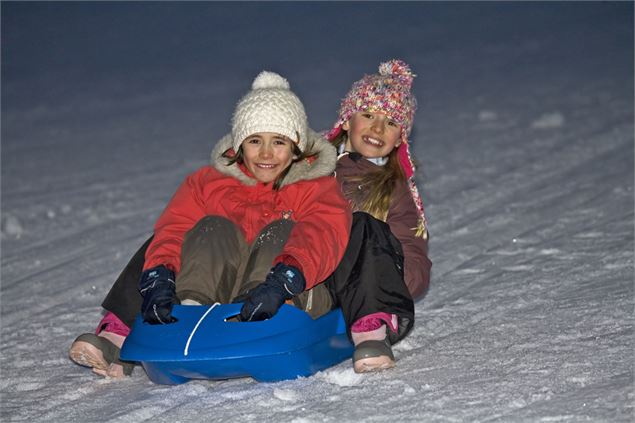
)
(372, 345)
(97, 352)
(372, 356)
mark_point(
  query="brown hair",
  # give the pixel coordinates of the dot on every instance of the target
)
(277, 184)
(380, 184)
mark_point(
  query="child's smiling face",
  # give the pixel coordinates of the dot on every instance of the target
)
(372, 134)
(267, 155)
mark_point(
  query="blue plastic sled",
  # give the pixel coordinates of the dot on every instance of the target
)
(202, 344)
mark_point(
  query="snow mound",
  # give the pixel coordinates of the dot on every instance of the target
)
(286, 394)
(487, 116)
(341, 377)
(549, 121)
(11, 226)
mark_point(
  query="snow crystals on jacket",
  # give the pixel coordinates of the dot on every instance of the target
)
(309, 196)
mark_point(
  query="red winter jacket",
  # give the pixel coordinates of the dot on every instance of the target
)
(309, 196)
(402, 218)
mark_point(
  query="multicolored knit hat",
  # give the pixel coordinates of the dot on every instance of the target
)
(389, 93)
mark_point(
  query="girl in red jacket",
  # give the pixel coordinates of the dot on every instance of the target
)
(266, 221)
(268, 199)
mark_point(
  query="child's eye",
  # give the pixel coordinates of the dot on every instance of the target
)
(367, 115)
(253, 141)
(280, 142)
(393, 123)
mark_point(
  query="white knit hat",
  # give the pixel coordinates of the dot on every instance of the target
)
(270, 106)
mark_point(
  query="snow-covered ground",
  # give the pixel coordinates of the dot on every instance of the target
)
(524, 133)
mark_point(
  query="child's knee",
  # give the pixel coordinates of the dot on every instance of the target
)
(212, 225)
(276, 234)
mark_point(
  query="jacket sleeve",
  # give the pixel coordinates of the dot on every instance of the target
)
(183, 211)
(322, 228)
(402, 218)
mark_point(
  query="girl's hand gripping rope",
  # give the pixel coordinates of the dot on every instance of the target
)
(158, 289)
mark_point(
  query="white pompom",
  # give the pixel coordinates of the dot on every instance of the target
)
(268, 79)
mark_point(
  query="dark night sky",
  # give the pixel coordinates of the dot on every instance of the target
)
(57, 49)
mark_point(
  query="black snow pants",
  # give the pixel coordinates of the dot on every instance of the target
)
(368, 280)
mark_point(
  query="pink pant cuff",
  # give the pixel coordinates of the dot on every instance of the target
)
(374, 322)
(111, 323)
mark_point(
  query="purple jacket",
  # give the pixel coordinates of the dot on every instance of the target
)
(402, 217)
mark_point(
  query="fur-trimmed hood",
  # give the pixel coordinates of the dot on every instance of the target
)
(322, 164)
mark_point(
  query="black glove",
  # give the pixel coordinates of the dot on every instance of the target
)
(158, 290)
(262, 302)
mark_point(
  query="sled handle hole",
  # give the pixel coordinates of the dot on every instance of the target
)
(233, 319)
